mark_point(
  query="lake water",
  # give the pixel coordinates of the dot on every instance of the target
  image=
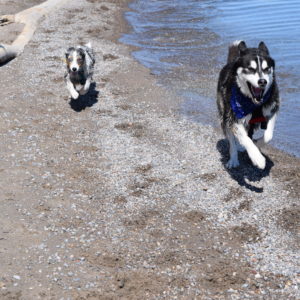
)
(185, 43)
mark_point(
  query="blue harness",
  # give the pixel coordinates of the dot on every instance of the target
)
(242, 105)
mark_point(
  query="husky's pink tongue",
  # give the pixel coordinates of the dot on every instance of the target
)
(257, 92)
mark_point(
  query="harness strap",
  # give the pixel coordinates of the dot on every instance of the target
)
(257, 120)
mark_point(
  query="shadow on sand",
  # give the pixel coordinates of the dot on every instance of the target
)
(85, 101)
(246, 170)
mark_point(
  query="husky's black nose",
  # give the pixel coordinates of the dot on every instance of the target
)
(75, 69)
(262, 83)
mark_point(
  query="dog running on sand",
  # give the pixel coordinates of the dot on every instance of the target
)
(247, 99)
(80, 62)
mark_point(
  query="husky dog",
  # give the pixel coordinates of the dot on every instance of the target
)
(80, 66)
(247, 99)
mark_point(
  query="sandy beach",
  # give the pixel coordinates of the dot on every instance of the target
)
(117, 196)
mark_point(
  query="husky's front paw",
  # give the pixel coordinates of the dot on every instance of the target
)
(232, 163)
(74, 95)
(259, 161)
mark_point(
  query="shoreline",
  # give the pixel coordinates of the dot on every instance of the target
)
(292, 160)
(172, 76)
(116, 196)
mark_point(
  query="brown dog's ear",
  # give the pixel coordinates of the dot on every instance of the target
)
(262, 46)
(65, 58)
(67, 53)
(242, 47)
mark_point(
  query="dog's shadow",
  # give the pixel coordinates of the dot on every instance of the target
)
(246, 170)
(87, 100)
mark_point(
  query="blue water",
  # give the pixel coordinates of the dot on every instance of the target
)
(185, 43)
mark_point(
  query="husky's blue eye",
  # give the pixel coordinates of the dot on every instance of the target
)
(267, 70)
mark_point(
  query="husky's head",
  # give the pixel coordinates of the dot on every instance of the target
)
(255, 71)
(75, 59)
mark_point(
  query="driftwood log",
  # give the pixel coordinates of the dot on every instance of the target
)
(30, 18)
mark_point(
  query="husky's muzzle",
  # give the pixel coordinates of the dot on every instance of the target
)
(257, 92)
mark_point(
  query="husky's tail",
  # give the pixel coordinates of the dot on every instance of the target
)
(233, 52)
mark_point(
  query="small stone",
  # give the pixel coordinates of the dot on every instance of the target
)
(288, 283)
(17, 277)
(121, 283)
(257, 276)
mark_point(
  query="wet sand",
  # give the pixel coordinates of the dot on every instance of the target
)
(115, 196)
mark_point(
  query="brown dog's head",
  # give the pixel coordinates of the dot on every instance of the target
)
(75, 59)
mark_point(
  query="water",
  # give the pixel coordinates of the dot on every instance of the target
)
(185, 43)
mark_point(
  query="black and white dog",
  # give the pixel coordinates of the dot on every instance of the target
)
(80, 67)
(247, 99)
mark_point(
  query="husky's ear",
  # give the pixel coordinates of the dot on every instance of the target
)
(242, 47)
(262, 46)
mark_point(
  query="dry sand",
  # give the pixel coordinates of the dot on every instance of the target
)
(115, 196)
